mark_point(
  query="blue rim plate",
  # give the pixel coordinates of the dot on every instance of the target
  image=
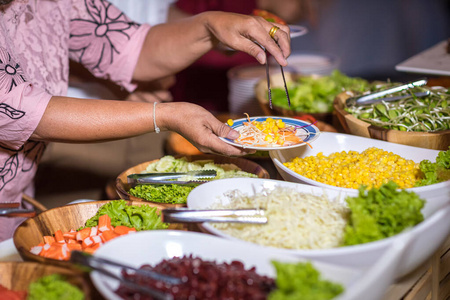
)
(308, 134)
(297, 30)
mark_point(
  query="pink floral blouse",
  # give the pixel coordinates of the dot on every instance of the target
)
(37, 38)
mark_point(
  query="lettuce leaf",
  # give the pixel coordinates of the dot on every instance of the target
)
(435, 172)
(381, 213)
(142, 217)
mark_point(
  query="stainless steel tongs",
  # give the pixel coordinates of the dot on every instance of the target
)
(185, 215)
(99, 264)
(375, 97)
(171, 178)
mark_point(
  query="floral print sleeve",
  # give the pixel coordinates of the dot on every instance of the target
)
(105, 40)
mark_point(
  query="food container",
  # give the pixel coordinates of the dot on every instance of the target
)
(18, 276)
(423, 239)
(30, 233)
(123, 188)
(439, 140)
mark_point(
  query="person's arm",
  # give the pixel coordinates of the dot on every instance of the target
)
(86, 120)
(173, 46)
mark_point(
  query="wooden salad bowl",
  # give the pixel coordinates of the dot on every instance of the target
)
(352, 125)
(30, 233)
(246, 165)
(18, 276)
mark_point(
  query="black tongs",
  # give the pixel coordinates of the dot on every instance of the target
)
(268, 83)
(98, 264)
(172, 178)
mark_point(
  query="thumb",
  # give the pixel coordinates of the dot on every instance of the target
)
(227, 132)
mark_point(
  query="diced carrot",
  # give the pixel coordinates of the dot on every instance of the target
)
(49, 239)
(108, 235)
(83, 233)
(94, 231)
(59, 236)
(104, 223)
(36, 250)
(54, 252)
(87, 242)
(121, 230)
(70, 235)
(72, 241)
(74, 246)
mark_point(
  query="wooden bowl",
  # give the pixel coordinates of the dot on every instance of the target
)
(30, 233)
(18, 276)
(352, 125)
(246, 165)
(276, 81)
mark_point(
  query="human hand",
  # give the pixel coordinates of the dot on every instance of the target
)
(240, 32)
(199, 127)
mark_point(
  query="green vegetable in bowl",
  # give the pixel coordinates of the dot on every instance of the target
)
(53, 287)
(302, 281)
(173, 194)
(435, 172)
(315, 94)
(426, 114)
(380, 213)
(142, 217)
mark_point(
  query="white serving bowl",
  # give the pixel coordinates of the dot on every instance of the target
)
(331, 142)
(425, 238)
(151, 247)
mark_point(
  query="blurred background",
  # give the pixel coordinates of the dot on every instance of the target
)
(360, 38)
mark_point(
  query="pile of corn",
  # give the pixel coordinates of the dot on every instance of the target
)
(372, 168)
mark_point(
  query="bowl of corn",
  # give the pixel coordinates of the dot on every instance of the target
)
(344, 162)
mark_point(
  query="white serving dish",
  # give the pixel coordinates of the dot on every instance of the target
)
(150, 247)
(426, 237)
(330, 142)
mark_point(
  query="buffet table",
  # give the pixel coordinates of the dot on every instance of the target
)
(430, 281)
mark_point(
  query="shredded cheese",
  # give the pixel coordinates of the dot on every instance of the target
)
(295, 220)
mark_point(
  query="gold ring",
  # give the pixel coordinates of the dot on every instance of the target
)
(273, 30)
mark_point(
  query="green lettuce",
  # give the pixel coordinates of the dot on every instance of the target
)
(435, 172)
(172, 193)
(142, 217)
(380, 213)
(302, 281)
(312, 94)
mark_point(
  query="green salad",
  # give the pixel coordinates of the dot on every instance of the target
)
(178, 193)
(142, 217)
(382, 212)
(53, 287)
(436, 172)
(314, 94)
(302, 281)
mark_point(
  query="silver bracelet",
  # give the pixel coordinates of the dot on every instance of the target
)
(157, 130)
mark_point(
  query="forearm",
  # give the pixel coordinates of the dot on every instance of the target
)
(86, 120)
(171, 47)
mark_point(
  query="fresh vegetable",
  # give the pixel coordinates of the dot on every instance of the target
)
(268, 16)
(302, 281)
(142, 217)
(53, 287)
(314, 94)
(427, 114)
(435, 172)
(380, 213)
(172, 193)
(271, 132)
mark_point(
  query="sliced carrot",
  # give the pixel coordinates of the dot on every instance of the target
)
(59, 237)
(121, 230)
(104, 223)
(49, 239)
(70, 235)
(74, 246)
(83, 233)
(108, 235)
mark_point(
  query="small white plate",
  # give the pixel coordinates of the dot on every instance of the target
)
(306, 131)
(297, 30)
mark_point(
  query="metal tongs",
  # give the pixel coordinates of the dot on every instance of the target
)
(171, 178)
(184, 215)
(375, 97)
(13, 210)
(99, 264)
